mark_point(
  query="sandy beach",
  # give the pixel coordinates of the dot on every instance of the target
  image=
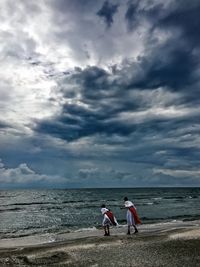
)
(170, 244)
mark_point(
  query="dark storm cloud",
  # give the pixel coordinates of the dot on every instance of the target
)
(103, 99)
(186, 17)
(3, 125)
(92, 79)
(105, 95)
(131, 15)
(136, 102)
(76, 122)
(152, 12)
(179, 72)
(73, 6)
(183, 15)
(159, 142)
(100, 96)
(171, 64)
(107, 12)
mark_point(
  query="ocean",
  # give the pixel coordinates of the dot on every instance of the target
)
(30, 212)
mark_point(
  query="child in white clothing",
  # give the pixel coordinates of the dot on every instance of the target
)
(108, 220)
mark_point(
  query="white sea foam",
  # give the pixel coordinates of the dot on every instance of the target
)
(88, 229)
(195, 233)
(94, 232)
(157, 198)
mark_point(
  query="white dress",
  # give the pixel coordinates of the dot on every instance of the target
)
(106, 220)
(129, 215)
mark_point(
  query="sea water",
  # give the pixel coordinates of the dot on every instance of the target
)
(30, 212)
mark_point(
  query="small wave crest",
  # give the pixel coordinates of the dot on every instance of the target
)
(86, 229)
(11, 210)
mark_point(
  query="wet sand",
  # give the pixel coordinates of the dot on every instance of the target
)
(171, 245)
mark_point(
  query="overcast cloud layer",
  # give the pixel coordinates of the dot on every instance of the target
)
(99, 93)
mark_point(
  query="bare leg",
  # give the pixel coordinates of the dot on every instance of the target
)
(108, 230)
(129, 230)
(136, 230)
(105, 230)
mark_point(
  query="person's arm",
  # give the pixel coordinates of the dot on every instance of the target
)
(115, 220)
(123, 207)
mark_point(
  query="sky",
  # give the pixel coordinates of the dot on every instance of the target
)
(98, 93)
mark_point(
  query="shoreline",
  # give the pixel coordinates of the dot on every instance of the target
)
(174, 244)
(50, 238)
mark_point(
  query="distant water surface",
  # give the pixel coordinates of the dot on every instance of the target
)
(28, 212)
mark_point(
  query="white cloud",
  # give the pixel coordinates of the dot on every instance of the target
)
(41, 43)
(178, 173)
(25, 175)
(156, 104)
(41, 39)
